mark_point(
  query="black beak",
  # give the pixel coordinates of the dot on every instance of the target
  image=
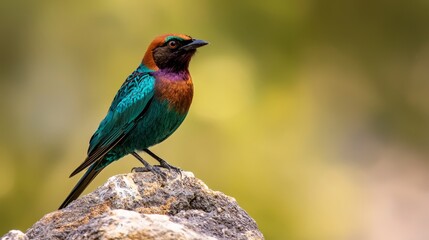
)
(196, 43)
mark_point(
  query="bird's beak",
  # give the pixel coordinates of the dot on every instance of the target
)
(196, 43)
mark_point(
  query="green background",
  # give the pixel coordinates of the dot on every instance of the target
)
(314, 115)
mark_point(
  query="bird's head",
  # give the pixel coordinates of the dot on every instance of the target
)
(171, 52)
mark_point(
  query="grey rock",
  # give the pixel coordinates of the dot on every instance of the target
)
(141, 206)
(15, 235)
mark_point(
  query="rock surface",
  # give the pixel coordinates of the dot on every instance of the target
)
(141, 206)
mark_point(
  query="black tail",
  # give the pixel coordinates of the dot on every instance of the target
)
(90, 174)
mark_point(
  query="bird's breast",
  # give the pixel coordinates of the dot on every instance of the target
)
(177, 92)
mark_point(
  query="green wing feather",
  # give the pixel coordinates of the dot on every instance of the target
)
(129, 104)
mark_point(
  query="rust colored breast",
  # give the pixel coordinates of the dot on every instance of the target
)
(178, 92)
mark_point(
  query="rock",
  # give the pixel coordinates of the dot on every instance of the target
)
(15, 234)
(141, 206)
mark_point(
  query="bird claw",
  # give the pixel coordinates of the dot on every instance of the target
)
(154, 169)
(164, 164)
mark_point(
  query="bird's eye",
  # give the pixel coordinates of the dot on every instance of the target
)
(172, 44)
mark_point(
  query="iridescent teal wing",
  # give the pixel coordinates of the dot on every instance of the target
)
(128, 106)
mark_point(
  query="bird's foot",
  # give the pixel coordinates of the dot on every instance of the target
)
(163, 163)
(148, 168)
(154, 169)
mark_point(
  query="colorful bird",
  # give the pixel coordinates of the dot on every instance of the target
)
(150, 105)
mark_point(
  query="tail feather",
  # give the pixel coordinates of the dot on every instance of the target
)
(87, 178)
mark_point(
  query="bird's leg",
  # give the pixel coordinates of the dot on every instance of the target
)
(162, 162)
(148, 168)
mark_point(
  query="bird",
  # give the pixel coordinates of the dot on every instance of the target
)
(149, 106)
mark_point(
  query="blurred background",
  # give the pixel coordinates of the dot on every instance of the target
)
(312, 114)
